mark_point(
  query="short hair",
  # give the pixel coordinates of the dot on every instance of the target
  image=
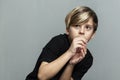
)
(81, 14)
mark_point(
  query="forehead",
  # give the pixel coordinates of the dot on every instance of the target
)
(89, 22)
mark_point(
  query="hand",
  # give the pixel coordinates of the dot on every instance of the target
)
(78, 56)
(78, 49)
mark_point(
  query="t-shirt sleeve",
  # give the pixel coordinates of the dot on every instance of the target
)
(51, 50)
(82, 68)
(49, 53)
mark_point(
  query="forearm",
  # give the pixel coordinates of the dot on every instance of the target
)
(49, 70)
(67, 74)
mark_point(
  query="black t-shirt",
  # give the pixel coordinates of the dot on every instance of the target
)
(54, 49)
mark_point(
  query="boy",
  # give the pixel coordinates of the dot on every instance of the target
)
(66, 56)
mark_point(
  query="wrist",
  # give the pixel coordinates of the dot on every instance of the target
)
(71, 65)
(71, 52)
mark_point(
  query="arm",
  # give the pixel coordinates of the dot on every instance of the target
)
(70, 66)
(83, 67)
(67, 72)
(79, 55)
(48, 70)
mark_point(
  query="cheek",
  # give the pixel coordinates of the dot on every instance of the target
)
(89, 36)
(72, 34)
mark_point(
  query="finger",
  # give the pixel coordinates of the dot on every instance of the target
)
(80, 46)
(82, 53)
(85, 49)
(81, 38)
(78, 50)
(80, 58)
(81, 42)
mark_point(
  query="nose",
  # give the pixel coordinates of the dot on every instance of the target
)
(82, 30)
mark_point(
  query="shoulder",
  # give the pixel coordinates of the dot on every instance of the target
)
(61, 38)
(57, 41)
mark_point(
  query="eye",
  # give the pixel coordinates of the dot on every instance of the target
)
(89, 27)
(77, 26)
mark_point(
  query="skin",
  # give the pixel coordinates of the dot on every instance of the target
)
(79, 36)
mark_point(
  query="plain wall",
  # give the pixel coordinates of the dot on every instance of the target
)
(27, 25)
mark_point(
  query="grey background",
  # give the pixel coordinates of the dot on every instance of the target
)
(27, 25)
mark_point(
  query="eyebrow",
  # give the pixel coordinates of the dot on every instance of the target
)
(90, 25)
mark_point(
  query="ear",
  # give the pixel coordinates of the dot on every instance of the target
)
(67, 31)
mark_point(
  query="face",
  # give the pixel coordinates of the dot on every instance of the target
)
(85, 30)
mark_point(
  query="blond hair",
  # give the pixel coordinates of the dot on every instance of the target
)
(81, 15)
